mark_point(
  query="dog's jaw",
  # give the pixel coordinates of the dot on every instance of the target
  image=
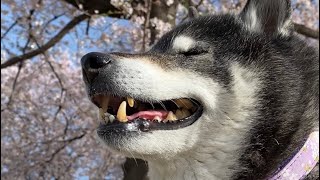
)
(212, 144)
(149, 81)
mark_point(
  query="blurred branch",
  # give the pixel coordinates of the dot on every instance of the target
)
(163, 12)
(146, 24)
(88, 26)
(76, 20)
(199, 4)
(66, 142)
(21, 63)
(67, 125)
(101, 7)
(57, 76)
(14, 83)
(51, 20)
(12, 25)
(301, 29)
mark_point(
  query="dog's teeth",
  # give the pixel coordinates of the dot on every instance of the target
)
(185, 112)
(111, 118)
(106, 119)
(130, 101)
(171, 116)
(121, 114)
(105, 103)
(157, 118)
(103, 117)
(179, 114)
(185, 103)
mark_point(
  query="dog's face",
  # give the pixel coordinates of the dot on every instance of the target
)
(189, 91)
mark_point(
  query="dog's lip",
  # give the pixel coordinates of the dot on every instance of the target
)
(142, 125)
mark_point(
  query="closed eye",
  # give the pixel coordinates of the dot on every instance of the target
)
(194, 51)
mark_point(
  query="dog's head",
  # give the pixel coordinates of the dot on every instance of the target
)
(191, 84)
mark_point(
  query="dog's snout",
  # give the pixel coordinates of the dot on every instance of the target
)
(92, 62)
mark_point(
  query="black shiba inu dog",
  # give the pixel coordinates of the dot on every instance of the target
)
(218, 97)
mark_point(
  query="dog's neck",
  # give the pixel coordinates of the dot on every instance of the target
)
(303, 161)
(200, 167)
(203, 162)
(184, 168)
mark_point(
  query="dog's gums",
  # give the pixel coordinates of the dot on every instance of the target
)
(165, 115)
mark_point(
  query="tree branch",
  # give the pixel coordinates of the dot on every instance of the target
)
(12, 25)
(88, 26)
(146, 24)
(76, 20)
(14, 84)
(21, 63)
(66, 142)
(308, 32)
(101, 7)
(51, 20)
(57, 76)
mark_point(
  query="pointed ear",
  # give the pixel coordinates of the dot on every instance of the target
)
(271, 17)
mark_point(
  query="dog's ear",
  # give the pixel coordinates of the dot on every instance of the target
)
(271, 17)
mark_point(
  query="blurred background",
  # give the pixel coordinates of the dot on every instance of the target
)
(47, 122)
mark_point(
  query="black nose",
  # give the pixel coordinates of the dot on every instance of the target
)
(92, 63)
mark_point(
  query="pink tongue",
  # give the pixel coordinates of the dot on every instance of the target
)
(148, 115)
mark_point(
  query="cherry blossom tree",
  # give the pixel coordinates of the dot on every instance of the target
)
(47, 122)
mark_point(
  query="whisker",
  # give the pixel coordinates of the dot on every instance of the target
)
(151, 105)
(174, 103)
(134, 158)
(145, 162)
(163, 106)
(225, 114)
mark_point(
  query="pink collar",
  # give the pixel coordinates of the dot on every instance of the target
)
(303, 162)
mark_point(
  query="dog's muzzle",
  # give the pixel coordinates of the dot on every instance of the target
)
(132, 113)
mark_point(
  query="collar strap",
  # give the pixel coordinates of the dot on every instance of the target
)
(303, 162)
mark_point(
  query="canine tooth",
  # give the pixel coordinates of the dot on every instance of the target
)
(105, 103)
(184, 103)
(111, 118)
(182, 113)
(130, 101)
(121, 114)
(171, 116)
(157, 118)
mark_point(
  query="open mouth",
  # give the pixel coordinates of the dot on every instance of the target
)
(135, 115)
